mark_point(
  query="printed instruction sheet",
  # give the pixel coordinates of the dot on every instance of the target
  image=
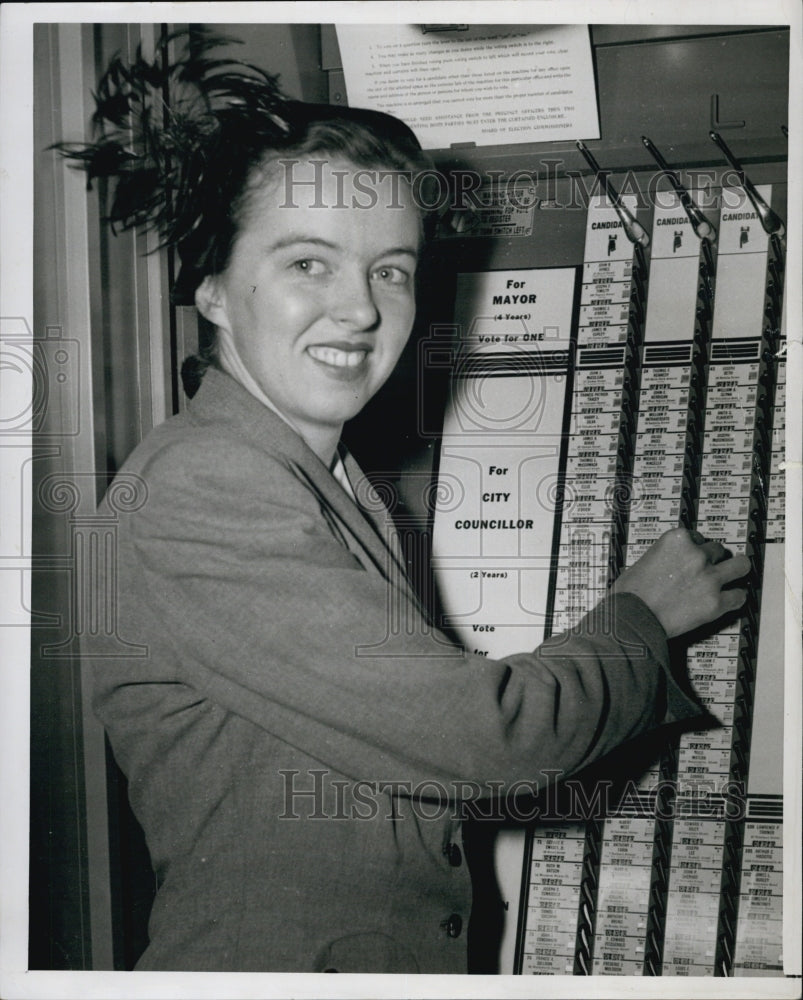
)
(486, 84)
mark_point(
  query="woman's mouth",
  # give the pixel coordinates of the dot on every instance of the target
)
(338, 358)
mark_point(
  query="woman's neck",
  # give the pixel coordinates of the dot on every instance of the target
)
(321, 439)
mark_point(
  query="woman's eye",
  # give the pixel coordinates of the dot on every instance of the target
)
(309, 266)
(391, 275)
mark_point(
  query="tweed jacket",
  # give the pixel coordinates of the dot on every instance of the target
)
(298, 740)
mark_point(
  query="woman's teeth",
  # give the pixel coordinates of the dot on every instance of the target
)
(340, 359)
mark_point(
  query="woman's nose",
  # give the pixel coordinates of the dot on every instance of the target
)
(355, 307)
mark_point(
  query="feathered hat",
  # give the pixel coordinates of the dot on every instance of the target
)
(176, 139)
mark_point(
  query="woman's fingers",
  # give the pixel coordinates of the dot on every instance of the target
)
(733, 599)
(732, 569)
(681, 578)
(715, 551)
(726, 568)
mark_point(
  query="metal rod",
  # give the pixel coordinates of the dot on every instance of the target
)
(634, 231)
(701, 226)
(770, 220)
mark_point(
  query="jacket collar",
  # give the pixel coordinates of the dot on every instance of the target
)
(223, 401)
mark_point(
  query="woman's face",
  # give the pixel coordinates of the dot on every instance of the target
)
(319, 294)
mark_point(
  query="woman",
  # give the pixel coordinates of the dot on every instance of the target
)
(299, 767)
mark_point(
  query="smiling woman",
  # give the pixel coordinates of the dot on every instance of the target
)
(316, 303)
(302, 743)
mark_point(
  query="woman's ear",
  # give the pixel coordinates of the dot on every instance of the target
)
(210, 302)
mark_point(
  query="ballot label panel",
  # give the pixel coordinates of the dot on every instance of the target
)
(671, 400)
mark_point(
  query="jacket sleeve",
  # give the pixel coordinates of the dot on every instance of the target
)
(269, 615)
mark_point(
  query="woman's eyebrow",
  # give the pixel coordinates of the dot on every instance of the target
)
(410, 251)
(295, 239)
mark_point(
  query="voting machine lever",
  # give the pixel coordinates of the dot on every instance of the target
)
(634, 231)
(701, 226)
(771, 222)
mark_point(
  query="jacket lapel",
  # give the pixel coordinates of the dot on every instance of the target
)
(367, 531)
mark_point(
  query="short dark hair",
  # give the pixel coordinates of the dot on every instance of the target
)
(368, 139)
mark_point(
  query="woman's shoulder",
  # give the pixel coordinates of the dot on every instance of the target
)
(222, 428)
(191, 467)
(181, 447)
(224, 450)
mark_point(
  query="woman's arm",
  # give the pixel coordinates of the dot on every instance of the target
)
(259, 608)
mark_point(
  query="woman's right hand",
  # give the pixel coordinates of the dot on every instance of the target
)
(681, 580)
